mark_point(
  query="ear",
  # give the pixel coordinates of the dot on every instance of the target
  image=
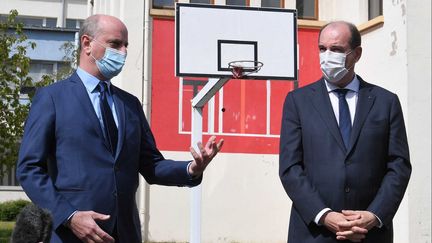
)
(358, 52)
(85, 44)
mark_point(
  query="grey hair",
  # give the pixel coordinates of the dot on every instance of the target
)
(90, 27)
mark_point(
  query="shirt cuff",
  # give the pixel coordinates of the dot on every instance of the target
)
(320, 214)
(191, 176)
(380, 224)
(67, 221)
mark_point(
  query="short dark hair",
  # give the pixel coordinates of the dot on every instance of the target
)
(33, 224)
(355, 40)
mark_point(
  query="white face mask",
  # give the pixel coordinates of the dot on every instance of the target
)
(333, 65)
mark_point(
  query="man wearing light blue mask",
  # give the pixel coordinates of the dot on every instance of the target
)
(86, 141)
(344, 159)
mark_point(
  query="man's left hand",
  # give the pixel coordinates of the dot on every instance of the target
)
(208, 152)
(366, 222)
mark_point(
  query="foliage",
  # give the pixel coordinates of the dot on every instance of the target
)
(14, 69)
(10, 209)
(6, 229)
(71, 57)
(14, 80)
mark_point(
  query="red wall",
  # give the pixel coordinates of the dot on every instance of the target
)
(244, 101)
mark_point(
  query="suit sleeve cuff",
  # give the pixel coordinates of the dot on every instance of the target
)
(191, 176)
(320, 214)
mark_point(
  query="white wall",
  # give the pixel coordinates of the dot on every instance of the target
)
(419, 117)
(242, 201)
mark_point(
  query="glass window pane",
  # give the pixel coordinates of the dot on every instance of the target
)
(200, 1)
(375, 8)
(3, 18)
(236, 2)
(51, 22)
(306, 9)
(163, 3)
(38, 69)
(30, 21)
(71, 23)
(271, 3)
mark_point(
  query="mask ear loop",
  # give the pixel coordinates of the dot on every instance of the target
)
(346, 55)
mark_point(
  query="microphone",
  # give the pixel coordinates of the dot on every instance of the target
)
(33, 224)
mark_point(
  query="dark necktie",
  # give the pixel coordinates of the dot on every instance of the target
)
(344, 116)
(111, 133)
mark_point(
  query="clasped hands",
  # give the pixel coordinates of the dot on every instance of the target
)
(349, 224)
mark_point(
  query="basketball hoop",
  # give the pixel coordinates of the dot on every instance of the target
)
(241, 69)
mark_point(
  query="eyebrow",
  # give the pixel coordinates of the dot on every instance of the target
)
(118, 42)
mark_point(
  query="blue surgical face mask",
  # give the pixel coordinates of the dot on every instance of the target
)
(111, 64)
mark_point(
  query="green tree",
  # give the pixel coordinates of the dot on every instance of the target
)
(14, 69)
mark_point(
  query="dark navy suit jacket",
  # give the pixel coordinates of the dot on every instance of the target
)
(65, 164)
(318, 172)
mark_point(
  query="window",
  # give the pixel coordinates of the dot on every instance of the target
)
(163, 3)
(237, 2)
(74, 23)
(37, 22)
(307, 9)
(9, 178)
(375, 8)
(272, 3)
(50, 22)
(38, 69)
(201, 1)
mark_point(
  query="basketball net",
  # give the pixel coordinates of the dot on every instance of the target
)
(237, 71)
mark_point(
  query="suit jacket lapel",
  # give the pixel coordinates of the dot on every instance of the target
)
(365, 102)
(321, 101)
(120, 110)
(88, 110)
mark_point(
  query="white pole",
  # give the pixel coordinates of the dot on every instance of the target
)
(195, 234)
(198, 102)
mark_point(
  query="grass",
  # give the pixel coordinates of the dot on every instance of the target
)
(6, 231)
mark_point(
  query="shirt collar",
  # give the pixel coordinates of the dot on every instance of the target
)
(89, 81)
(354, 85)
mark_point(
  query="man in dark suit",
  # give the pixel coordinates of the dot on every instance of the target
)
(86, 142)
(344, 159)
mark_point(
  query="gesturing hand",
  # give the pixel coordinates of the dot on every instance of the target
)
(208, 152)
(83, 225)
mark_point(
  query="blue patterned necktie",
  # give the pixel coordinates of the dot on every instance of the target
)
(344, 116)
(111, 133)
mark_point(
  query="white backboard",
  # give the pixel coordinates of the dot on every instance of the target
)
(208, 37)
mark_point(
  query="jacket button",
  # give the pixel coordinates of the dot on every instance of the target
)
(347, 189)
(115, 193)
(348, 162)
(116, 168)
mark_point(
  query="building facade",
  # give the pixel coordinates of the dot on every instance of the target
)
(242, 198)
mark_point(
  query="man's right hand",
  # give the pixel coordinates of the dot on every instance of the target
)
(83, 225)
(331, 220)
